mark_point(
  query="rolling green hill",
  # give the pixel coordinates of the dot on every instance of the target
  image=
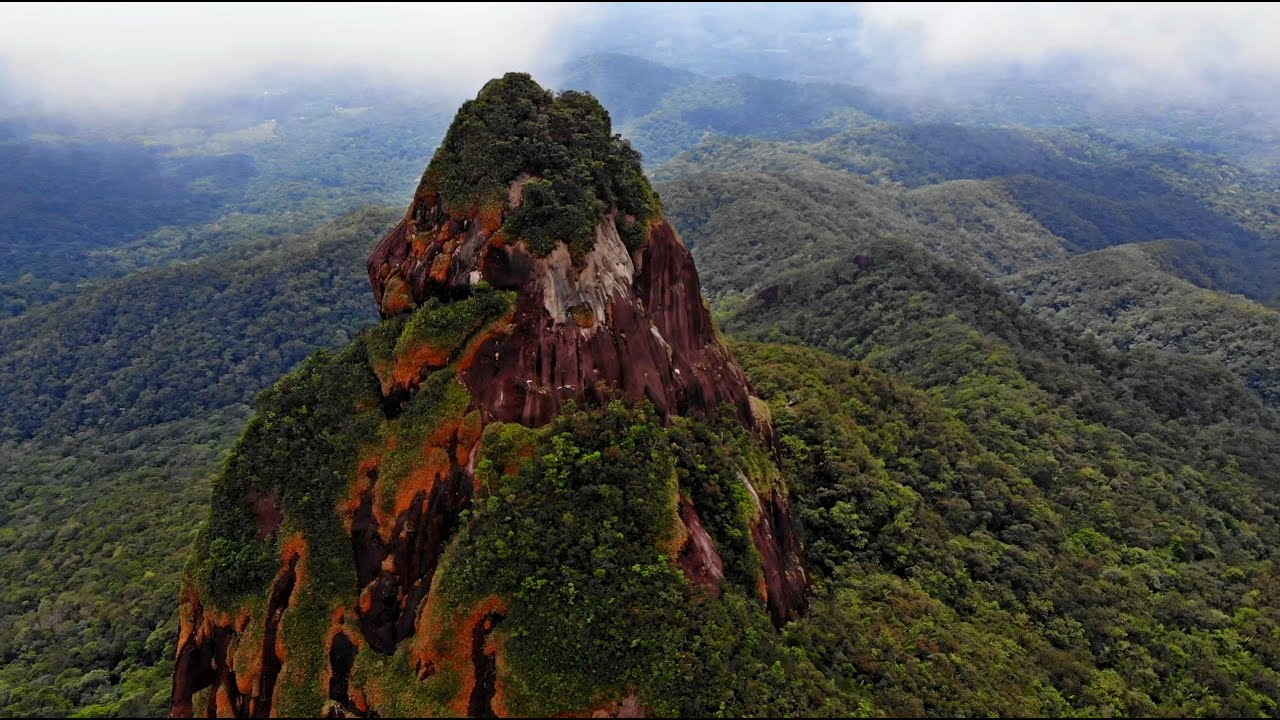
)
(1090, 192)
(1126, 297)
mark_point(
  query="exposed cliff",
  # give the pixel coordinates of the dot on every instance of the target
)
(515, 494)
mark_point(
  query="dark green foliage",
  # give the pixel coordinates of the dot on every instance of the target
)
(179, 341)
(743, 227)
(1125, 296)
(986, 567)
(577, 539)
(94, 531)
(80, 205)
(1011, 522)
(1089, 190)
(579, 170)
(628, 86)
(62, 201)
(665, 111)
(300, 449)
(933, 323)
(574, 541)
(708, 476)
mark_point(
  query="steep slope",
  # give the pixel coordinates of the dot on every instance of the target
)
(117, 407)
(1099, 472)
(979, 549)
(936, 324)
(520, 491)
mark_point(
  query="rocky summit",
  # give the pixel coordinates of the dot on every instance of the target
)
(529, 490)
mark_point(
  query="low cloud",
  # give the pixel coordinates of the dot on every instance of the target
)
(122, 56)
(1170, 49)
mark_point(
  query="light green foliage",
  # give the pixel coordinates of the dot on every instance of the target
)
(445, 326)
(402, 691)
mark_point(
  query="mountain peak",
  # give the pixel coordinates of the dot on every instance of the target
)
(531, 192)
(545, 352)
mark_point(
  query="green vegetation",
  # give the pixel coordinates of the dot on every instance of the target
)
(177, 342)
(1125, 296)
(577, 169)
(744, 227)
(1088, 190)
(665, 111)
(94, 532)
(299, 451)
(577, 539)
(83, 205)
(1001, 517)
(984, 566)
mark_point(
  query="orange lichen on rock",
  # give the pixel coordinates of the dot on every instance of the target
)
(440, 266)
(188, 604)
(466, 356)
(293, 555)
(338, 626)
(246, 652)
(224, 702)
(433, 466)
(365, 482)
(295, 546)
(444, 640)
(412, 365)
(396, 296)
(491, 216)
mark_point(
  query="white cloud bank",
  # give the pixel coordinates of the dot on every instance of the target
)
(1169, 48)
(116, 55)
(123, 56)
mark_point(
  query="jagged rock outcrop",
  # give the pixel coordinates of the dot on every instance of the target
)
(532, 274)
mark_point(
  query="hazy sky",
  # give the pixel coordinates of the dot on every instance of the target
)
(121, 55)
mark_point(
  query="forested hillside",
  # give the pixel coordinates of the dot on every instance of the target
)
(1128, 297)
(1090, 192)
(118, 404)
(81, 205)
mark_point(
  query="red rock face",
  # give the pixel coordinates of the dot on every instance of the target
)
(699, 557)
(585, 328)
(785, 579)
(612, 321)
